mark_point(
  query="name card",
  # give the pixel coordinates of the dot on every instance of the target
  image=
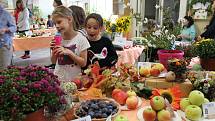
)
(119, 41)
(208, 110)
(87, 118)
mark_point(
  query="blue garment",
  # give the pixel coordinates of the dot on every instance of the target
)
(191, 32)
(6, 21)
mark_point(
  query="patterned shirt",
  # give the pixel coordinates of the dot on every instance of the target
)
(6, 21)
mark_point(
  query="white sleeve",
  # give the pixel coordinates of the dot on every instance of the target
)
(24, 19)
(84, 44)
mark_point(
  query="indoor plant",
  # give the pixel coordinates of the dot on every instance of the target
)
(205, 49)
(28, 89)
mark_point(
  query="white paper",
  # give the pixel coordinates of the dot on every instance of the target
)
(87, 118)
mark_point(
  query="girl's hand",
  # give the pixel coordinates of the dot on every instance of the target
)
(52, 44)
(59, 50)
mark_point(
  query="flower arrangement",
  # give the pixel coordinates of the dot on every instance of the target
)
(205, 48)
(122, 25)
(173, 95)
(203, 81)
(28, 89)
(178, 66)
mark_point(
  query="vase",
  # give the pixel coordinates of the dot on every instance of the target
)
(36, 116)
(165, 55)
(208, 64)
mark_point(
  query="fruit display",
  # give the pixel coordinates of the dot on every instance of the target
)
(121, 118)
(192, 105)
(151, 70)
(98, 109)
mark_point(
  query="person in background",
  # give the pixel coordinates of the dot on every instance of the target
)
(79, 18)
(22, 22)
(102, 49)
(71, 54)
(42, 23)
(7, 30)
(57, 3)
(50, 23)
(210, 29)
(188, 32)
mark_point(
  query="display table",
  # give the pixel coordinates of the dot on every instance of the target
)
(51, 30)
(31, 43)
(129, 55)
(186, 87)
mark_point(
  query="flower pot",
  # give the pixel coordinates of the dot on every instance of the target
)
(36, 116)
(208, 64)
(165, 55)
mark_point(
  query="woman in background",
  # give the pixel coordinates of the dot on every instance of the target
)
(188, 32)
(22, 22)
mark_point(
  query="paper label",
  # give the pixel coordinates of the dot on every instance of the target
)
(208, 109)
(109, 118)
(87, 118)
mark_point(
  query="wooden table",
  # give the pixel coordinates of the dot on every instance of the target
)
(31, 43)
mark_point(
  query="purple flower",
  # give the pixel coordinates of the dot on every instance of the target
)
(1, 81)
(63, 100)
(33, 74)
(36, 85)
(24, 90)
(50, 89)
(15, 97)
(37, 94)
(45, 81)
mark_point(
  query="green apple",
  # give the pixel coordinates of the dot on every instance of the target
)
(164, 115)
(157, 103)
(131, 93)
(206, 100)
(196, 97)
(193, 112)
(121, 118)
(184, 103)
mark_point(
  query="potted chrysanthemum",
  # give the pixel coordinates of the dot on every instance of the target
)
(24, 90)
(205, 49)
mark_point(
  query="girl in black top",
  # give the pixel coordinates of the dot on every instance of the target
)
(102, 49)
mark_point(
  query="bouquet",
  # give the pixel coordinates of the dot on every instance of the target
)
(28, 89)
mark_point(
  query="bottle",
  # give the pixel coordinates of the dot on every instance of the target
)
(57, 38)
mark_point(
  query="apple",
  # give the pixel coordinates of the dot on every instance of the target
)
(159, 66)
(120, 97)
(149, 114)
(193, 112)
(157, 103)
(196, 97)
(121, 118)
(170, 76)
(132, 102)
(155, 72)
(206, 100)
(184, 103)
(115, 91)
(131, 93)
(164, 115)
(145, 72)
(78, 83)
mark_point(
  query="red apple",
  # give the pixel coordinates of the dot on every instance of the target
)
(149, 114)
(78, 83)
(157, 103)
(115, 91)
(120, 97)
(132, 102)
(155, 72)
(164, 115)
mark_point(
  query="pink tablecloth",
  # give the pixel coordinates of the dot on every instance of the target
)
(129, 55)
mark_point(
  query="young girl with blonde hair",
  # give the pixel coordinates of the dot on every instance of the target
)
(71, 54)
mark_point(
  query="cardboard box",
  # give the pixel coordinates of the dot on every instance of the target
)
(161, 83)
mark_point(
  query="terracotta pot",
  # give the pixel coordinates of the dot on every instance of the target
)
(208, 64)
(36, 116)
